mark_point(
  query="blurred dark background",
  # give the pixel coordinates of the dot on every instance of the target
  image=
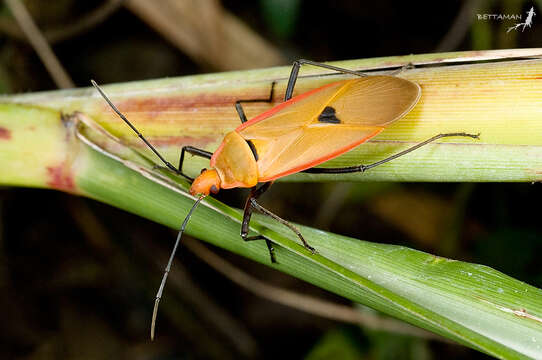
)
(78, 277)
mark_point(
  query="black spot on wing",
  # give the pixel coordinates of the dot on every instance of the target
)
(328, 116)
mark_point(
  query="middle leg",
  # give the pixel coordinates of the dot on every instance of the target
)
(240, 109)
(255, 192)
(251, 205)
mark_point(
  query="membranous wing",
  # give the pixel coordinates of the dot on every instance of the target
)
(326, 122)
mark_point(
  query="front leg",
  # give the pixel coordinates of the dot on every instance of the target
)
(194, 151)
(179, 171)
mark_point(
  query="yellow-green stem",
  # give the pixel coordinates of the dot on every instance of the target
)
(500, 100)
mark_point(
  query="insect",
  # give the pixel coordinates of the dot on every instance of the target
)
(294, 136)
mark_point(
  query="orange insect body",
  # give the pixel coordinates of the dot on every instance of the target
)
(307, 130)
(294, 136)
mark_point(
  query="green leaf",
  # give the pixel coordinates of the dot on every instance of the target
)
(469, 303)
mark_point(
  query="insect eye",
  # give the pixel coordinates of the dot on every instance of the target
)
(214, 189)
(202, 170)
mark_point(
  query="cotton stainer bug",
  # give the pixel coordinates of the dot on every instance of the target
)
(294, 136)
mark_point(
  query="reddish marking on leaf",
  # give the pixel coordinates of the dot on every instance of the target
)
(182, 141)
(5, 134)
(174, 141)
(156, 105)
(60, 178)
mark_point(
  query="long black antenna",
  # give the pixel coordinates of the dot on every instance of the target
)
(168, 267)
(183, 226)
(167, 163)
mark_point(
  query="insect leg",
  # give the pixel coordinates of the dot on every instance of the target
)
(239, 107)
(194, 151)
(255, 192)
(295, 71)
(264, 211)
(252, 205)
(363, 168)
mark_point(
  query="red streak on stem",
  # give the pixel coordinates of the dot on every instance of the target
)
(5, 134)
(60, 179)
(181, 141)
(156, 105)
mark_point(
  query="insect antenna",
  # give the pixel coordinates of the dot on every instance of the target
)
(185, 222)
(168, 266)
(115, 109)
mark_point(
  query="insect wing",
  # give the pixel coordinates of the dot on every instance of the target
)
(291, 115)
(375, 100)
(328, 122)
(310, 148)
